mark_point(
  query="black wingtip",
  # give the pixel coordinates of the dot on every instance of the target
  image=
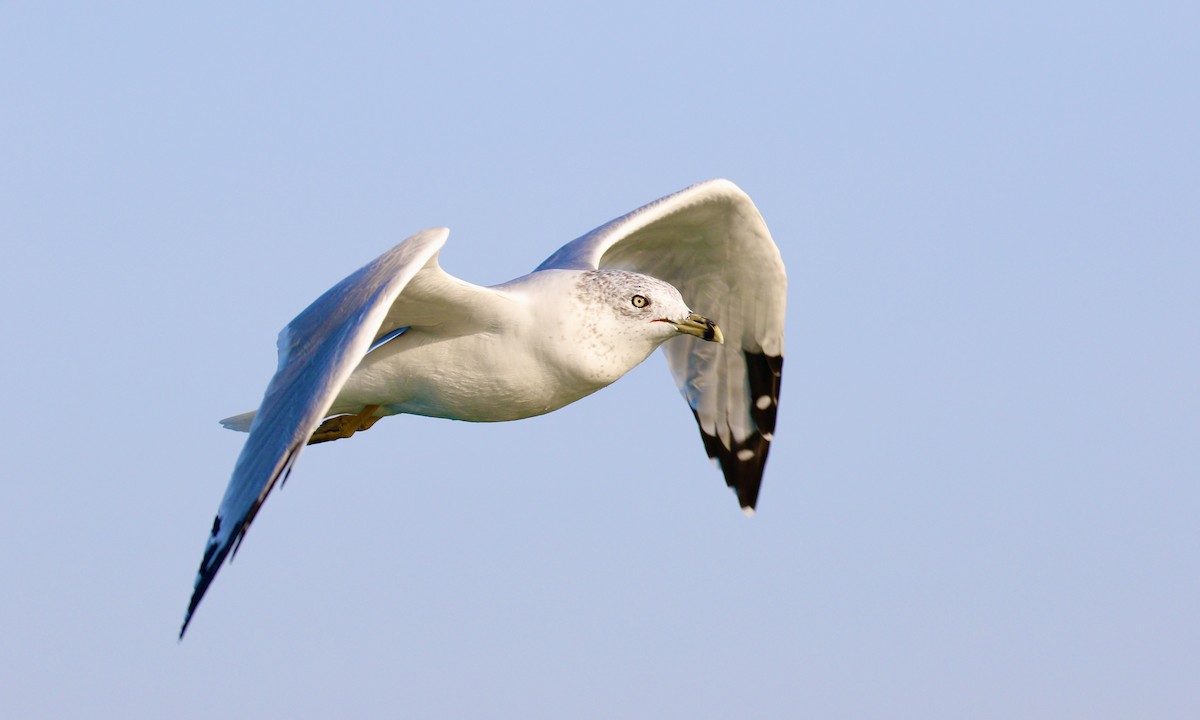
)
(202, 583)
(743, 463)
(214, 556)
(747, 493)
(216, 550)
(186, 620)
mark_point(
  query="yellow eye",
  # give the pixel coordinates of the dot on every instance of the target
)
(639, 301)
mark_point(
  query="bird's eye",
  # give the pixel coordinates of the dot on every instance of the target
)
(640, 301)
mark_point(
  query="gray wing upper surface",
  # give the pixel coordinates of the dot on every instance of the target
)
(710, 242)
(317, 352)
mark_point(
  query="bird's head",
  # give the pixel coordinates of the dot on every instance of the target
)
(641, 307)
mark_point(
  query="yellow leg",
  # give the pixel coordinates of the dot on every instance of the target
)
(343, 426)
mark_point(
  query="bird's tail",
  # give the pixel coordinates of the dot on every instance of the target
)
(241, 423)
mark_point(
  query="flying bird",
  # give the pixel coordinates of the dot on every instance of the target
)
(401, 335)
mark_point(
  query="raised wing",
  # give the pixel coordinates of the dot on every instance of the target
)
(711, 243)
(317, 352)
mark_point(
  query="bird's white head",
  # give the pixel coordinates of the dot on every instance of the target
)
(620, 317)
(638, 305)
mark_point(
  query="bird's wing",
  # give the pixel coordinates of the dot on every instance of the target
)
(711, 243)
(317, 352)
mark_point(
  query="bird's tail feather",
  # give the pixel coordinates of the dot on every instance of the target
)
(241, 423)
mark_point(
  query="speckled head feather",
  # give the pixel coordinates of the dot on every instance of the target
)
(619, 290)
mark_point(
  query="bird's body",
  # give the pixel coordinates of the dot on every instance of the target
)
(516, 356)
(401, 336)
(545, 358)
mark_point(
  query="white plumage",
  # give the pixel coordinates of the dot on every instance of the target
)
(401, 335)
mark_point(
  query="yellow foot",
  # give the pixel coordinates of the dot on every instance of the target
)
(343, 426)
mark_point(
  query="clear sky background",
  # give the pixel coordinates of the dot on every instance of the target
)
(982, 501)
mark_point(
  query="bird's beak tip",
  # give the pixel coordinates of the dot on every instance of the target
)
(702, 328)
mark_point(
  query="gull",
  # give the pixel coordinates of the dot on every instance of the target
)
(401, 335)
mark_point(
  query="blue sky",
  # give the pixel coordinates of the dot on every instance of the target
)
(982, 497)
